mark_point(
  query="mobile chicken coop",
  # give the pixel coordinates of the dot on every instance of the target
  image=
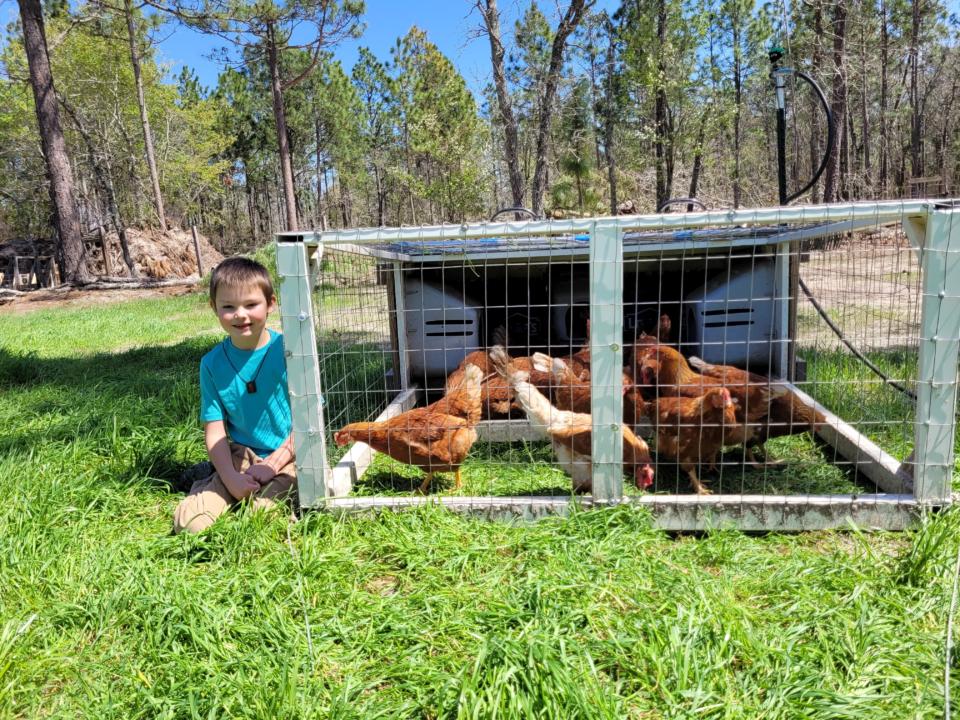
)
(375, 319)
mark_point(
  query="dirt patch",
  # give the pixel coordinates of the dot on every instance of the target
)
(71, 297)
(869, 285)
(156, 255)
(168, 256)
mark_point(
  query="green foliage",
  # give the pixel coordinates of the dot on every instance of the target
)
(93, 73)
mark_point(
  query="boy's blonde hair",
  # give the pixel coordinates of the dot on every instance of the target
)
(240, 272)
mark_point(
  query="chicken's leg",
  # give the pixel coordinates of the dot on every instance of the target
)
(458, 480)
(425, 485)
(695, 481)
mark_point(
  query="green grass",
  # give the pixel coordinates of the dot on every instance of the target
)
(847, 387)
(424, 614)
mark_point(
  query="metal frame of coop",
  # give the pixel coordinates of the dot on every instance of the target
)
(909, 488)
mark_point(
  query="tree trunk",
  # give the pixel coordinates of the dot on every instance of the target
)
(838, 102)
(944, 154)
(608, 121)
(105, 181)
(698, 158)
(884, 61)
(916, 116)
(568, 24)
(738, 105)
(251, 209)
(54, 146)
(144, 119)
(320, 218)
(662, 150)
(283, 141)
(867, 180)
(817, 63)
(491, 18)
(594, 99)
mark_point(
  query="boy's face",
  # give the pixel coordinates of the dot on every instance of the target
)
(242, 312)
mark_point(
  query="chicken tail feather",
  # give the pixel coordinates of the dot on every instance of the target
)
(534, 404)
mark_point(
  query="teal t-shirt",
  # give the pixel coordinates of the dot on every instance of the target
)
(260, 420)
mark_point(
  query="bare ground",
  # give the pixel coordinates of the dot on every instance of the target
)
(77, 298)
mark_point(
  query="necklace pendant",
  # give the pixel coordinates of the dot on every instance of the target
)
(251, 386)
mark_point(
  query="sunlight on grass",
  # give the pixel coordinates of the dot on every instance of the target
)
(423, 614)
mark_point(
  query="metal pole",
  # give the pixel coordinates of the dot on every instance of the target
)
(779, 76)
(315, 479)
(937, 365)
(606, 360)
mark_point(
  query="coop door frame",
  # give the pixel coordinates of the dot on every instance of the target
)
(919, 483)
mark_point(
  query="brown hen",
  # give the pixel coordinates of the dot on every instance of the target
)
(571, 432)
(567, 390)
(689, 430)
(435, 438)
(496, 398)
(664, 372)
(788, 414)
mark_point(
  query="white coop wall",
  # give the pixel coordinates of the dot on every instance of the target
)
(852, 307)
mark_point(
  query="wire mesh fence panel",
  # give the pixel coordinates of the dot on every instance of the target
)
(858, 335)
(759, 367)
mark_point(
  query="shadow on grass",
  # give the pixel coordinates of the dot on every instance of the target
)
(145, 365)
(131, 416)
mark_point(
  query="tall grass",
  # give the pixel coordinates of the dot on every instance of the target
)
(104, 614)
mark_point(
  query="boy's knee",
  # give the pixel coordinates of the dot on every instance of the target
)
(191, 521)
(207, 501)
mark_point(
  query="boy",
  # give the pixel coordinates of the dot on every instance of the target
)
(243, 402)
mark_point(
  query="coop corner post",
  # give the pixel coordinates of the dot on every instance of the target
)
(303, 367)
(606, 358)
(937, 373)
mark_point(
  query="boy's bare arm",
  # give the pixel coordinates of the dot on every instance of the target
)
(264, 470)
(239, 484)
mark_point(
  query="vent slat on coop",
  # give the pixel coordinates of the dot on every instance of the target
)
(779, 368)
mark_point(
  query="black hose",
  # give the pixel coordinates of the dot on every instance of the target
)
(865, 360)
(501, 211)
(679, 201)
(831, 136)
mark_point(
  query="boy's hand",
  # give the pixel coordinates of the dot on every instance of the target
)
(261, 472)
(240, 485)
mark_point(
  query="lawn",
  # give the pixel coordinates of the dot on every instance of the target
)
(424, 614)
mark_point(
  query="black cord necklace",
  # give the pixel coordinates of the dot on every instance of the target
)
(252, 382)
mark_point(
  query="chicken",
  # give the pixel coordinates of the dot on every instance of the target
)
(570, 432)
(579, 362)
(661, 336)
(689, 430)
(567, 389)
(496, 398)
(666, 373)
(436, 438)
(788, 414)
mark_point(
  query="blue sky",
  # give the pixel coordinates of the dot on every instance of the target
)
(450, 24)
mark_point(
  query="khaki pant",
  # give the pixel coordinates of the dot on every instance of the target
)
(209, 498)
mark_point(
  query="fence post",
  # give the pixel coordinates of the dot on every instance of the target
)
(939, 345)
(303, 369)
(606, 358)
(196, 249)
